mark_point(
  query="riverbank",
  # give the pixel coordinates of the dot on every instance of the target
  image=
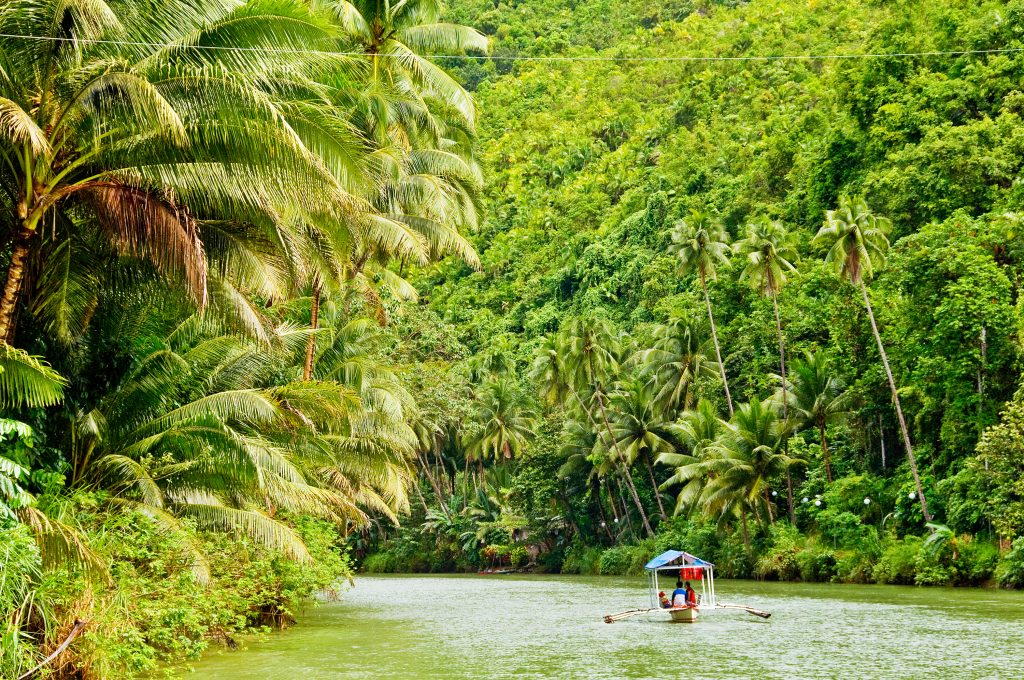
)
(843, 550)
(549, 626)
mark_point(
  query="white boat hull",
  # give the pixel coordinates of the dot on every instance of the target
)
(683, 615)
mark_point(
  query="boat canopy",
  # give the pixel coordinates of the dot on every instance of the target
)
(676, 558)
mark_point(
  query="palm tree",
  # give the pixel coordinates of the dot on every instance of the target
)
(677, 360)
(698, 431)
(735, 475)
(136, 138)
(769, 251)
(590, 348)
(548, 371)
(505, 420)
(639, 430)
(27, 381)
(857, 246)
(817, 395)
(397, 36)
(701, 245)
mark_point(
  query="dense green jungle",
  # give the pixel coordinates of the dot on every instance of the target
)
(295, 289)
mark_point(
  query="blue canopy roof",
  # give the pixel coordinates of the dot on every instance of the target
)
(672, 556)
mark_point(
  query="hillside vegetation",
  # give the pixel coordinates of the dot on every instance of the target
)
(592, 166)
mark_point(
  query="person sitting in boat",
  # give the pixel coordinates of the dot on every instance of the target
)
(691, 596)
(663, 600)
(679, 595)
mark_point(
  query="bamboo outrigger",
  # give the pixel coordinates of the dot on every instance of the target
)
(686, 567)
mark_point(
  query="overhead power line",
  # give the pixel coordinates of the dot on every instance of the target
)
(555, 58)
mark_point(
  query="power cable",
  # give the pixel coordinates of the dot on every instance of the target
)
(557, 58)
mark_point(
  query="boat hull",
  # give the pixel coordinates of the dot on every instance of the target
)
(683, 615)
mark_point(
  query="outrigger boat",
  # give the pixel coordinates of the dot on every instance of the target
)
(682, 566)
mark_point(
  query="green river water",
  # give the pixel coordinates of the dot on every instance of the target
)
(550, 627)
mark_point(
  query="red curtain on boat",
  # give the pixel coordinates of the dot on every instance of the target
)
(691, 574)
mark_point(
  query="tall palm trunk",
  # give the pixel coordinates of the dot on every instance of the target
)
(12, 287)
(618, 451)
(746, 532)
(626, 521)
(611, 499)
(768, 506)
(626, 475)
(718, 349)
(785, 402)
(314, 320)
(433, 483)
(654, 486)
(824, 452)
(896, 402)
(600, 510)
(423, 501)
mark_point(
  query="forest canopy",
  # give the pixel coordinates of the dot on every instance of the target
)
(294, 289)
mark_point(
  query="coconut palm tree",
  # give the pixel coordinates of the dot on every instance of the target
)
(396, 38)
(679, 357)
(857, 241)
(113, 115)
(27, 381)
(735, 474)
(697, 430)
(818, 397)
(505, 420)
(702, 244)
(769, 250)
(590, 349)
(640, 430)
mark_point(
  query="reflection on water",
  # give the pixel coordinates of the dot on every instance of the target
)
(551, 627)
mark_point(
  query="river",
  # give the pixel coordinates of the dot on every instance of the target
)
(462, 627)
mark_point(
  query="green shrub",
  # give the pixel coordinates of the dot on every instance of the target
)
(518, 556)
(582, 559)
(931, 571)
(816, 563)
(1010, 572)
(615, 561)
(898, 564)
(779, 562)
(976, 563)
(853, 566)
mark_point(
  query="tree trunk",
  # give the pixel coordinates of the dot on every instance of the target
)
(604, 518)
(618, 450)
(626, 521)
(896, 403)
(785, 404)
(789, 497)
(718, 349)
(824, 453)
(12, 287)
(611, 498)
(654, 485)
(314, 320)
(768, 506)
(625, 469)
(746, 533)
(419, 492)
(433, 483)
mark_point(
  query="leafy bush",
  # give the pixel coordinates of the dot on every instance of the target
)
(779, 562)
(616, 561)
(976, 563)
(898, 564)
(816, 563)
(582, 559)
(518, 556)
(1010, 572)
